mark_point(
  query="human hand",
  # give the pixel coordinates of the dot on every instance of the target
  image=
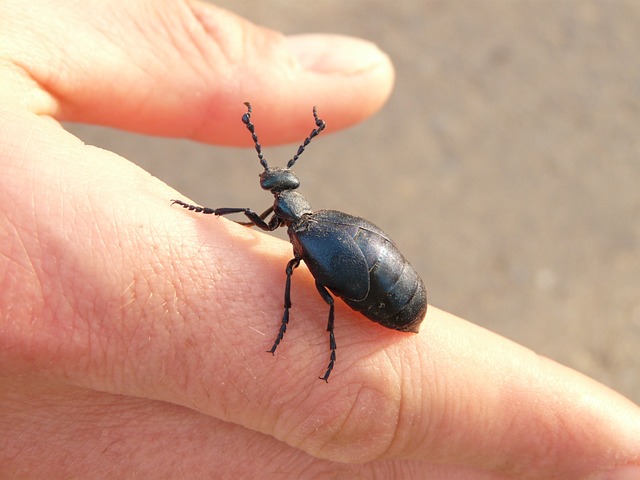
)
(133, 335)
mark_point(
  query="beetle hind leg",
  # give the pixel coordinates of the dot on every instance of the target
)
(326, 296)
(293, 263)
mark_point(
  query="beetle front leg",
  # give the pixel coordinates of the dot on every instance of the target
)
(326, 296)
(255, 219)
(263, 215)
(293, 263)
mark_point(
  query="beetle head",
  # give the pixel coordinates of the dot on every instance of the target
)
(278, 179)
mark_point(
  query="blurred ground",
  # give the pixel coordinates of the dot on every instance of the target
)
(505, 165)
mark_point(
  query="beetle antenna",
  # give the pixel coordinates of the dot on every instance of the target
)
(314, 133)
(246, 119)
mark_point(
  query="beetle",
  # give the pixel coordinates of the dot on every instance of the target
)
(347, 255)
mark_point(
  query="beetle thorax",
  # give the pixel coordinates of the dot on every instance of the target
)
(290, 206)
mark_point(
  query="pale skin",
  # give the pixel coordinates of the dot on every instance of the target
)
(132, 340)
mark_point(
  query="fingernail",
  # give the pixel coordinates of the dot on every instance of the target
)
(623, 473)
(323, 53)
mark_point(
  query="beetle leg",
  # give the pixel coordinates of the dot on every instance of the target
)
(255, 219)
(195, 208)
(263, 215)
(250, 214)
(326, 296)
(293, 263)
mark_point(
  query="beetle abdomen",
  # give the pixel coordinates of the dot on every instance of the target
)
(358, 262)
(397, 297)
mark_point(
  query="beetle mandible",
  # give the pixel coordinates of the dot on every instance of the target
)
(347, 255)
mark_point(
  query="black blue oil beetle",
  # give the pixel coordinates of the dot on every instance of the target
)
(347, 255)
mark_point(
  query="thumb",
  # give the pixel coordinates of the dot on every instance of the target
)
(184, 68)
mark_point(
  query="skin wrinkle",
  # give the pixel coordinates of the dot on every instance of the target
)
(230, 50)
(306, 431)
(18, 244)
(31, 96)
(549, 427)
(129, 62)
(20, 68)
(238, 48)
(438, 411)
(174, 364)
(389, 431)
(31, 272)
(88, 291)
(199, 23)
(228, 409)
(361, 412)
(184, 279)
(402, 379)
(85, 315)
(281, 427)
(182, 34)
(340, 425)
(401, 434)
(49, 77)
(12, 338)
(217, 31)
(554, 429)
(57, 266)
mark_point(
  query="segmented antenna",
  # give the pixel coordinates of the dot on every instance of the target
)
(314, 133)
(246, 119)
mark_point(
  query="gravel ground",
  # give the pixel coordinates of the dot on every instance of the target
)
(505, 164)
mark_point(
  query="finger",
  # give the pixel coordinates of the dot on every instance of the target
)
(89, 434)
(183, 68)
(170, 305)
